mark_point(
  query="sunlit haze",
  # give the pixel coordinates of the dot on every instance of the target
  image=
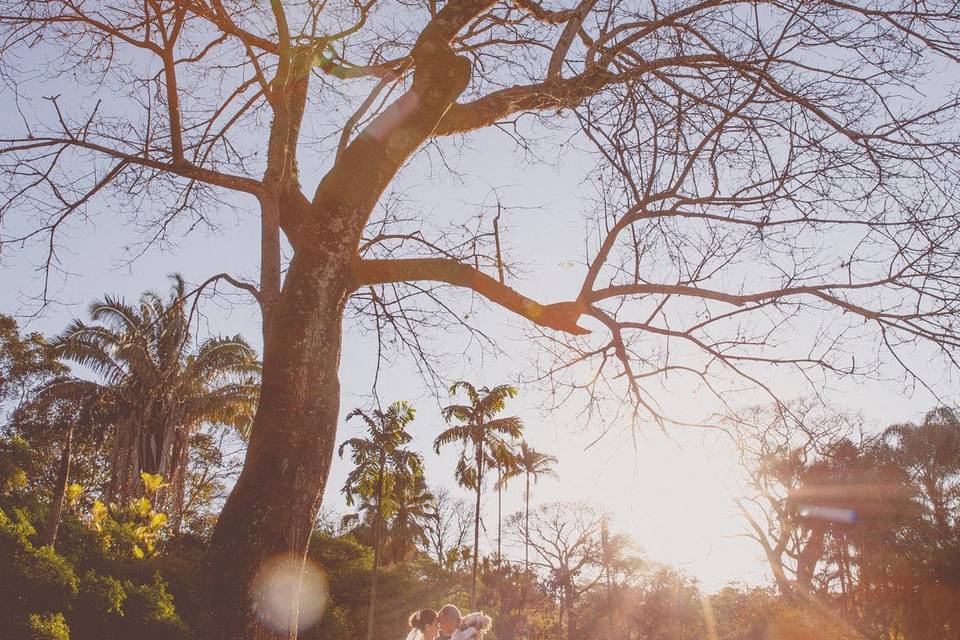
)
(671, 491)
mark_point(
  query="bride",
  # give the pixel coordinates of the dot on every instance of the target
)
(423, 625)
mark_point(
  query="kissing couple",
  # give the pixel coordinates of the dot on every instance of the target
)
(447, 624)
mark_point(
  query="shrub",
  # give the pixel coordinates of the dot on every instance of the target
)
(48, 627)
(37, 584)
(149, 612)
(35, 580)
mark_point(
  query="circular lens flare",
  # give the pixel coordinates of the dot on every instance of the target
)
(289, 593)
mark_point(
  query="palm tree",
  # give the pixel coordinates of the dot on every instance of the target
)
(411, 519)
(533, 465)
(161, 387)
(380, 465)
(482, 436)
(413, 514)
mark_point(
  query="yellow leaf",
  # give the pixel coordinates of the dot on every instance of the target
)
(158, 520)
(151, 482)
(141, 506)
(74, 491)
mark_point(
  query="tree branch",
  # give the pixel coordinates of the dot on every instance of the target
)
(561, 316)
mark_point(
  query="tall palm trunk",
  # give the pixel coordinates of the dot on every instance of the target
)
(59, 495)
(526, 526)
(126, 445)
(499, 514)
(476, 530)
(377, 538)
(178, 476)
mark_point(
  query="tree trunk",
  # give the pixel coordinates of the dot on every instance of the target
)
(571, 622)
(63, 478)
(784, 585)
(371, 610)
(377, 541)
(272, 507)
(560, 615)
(811, 553)
(123, 465)
(271, 510)
(178, 479)
(499, 515)
(476, 534)
(526, 527)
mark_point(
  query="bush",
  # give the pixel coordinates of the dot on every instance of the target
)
(99, 608)
(49, 627)
(35, 580)
(108, 609)
(37, 584)
(149, 612)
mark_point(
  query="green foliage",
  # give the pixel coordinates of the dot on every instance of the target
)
(742, 613)
(522, 605)
(158, 383)
(893, 572)
(25, 361)
(16, 457)
(134, 529)
(484, 437)
(403, 587)
(381, 460)
(48, 627)
(150, 613)
(42, 597)
(102, 594)
(210, 472)
(36, 581)
(111, 609)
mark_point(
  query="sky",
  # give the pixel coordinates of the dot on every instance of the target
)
(672, 493)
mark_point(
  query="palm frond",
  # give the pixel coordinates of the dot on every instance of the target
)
(511, 426)
(460, 412)
(468, 388)
(459, 433)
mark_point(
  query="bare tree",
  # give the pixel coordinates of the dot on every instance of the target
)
(566, 540)
(450, 529)
(778, 185)
(777, 446)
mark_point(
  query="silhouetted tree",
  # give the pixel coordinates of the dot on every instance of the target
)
(533, 465)
(565, 537)
(449, 529)
(161, 385)
(412, 515)
(381, 464)
(483, 437)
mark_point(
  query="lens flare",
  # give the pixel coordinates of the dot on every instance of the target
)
(289, 593)
(832, 514)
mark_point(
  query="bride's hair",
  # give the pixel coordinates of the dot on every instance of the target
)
(422, 619)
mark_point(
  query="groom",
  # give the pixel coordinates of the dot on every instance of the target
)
(448, 619)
